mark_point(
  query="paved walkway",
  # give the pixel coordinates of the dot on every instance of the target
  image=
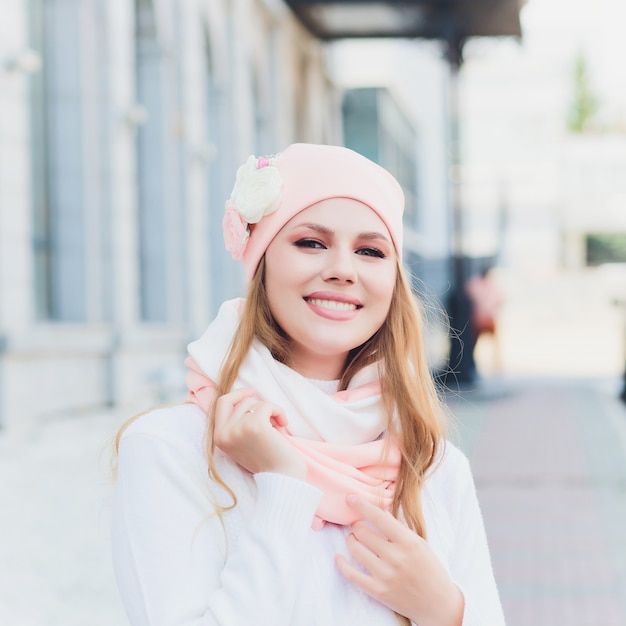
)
(549, 461)
(55, 496)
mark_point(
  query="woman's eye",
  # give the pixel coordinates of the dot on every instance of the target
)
(375, 252)
(309, 243)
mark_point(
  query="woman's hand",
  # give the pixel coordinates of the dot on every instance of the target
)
(246, 430)
(402, 571)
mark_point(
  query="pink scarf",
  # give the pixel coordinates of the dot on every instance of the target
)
(340, 435)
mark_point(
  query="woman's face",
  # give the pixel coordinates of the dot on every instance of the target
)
(329, 275)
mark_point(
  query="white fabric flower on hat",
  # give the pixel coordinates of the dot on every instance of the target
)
(257, 189)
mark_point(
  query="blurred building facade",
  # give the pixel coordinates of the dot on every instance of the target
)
(116, 155)
(377, 126)
(536, 192)
(592, 216)
(122, 124)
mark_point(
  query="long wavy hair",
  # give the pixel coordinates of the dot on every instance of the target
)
(414, 413)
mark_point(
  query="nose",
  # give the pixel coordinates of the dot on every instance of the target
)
(340, 267)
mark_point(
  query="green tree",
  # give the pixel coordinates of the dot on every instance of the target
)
(584, 104)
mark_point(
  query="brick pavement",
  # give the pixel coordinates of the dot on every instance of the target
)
(549, 460)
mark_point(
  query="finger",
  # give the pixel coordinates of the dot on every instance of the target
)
(226, 404)
(273, 412)
(386, 523)
(363, 555)
(355, 575)
(245, 408)
(233, 398)
(279, 418)
(371, 538)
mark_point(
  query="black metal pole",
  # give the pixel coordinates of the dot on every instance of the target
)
(462, 368)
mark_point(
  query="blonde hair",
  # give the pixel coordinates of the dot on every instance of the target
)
(410, 400)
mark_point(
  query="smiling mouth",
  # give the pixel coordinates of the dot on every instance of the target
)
(333, 305)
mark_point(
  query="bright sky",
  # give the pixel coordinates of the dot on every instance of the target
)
(554, 33)
(559, 28)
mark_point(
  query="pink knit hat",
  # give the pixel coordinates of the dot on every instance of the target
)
(269, 191)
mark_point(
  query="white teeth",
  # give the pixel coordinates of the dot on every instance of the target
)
(333, 304)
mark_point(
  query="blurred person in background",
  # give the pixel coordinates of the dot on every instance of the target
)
(307, 479)
(486, 300)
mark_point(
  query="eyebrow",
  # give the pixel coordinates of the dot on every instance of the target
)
(372, 235)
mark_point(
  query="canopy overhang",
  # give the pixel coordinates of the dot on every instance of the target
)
(449, 20)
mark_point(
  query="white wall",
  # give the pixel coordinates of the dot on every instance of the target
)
(242, 63)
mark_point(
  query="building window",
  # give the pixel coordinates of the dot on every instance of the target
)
(375, 126)
(605, 248)
(58, 163)
(223, 278)
(150, 85)
(161, 171)
(39, 173)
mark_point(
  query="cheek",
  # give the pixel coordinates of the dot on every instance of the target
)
(273, 257)
(382, 286)
(274, 288)
(283, 279)
(281, 255)
(276, 259)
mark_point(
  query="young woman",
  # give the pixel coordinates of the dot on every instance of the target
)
(307, 480)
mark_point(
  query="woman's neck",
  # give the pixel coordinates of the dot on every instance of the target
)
(319, 367)
(327, 386)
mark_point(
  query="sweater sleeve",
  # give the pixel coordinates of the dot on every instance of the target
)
(169, 547)
(470, 561)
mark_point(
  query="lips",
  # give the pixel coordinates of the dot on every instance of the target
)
(339, 307)
(335, 301)
(333, 305)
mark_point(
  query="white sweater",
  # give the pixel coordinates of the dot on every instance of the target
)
(179, 564)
